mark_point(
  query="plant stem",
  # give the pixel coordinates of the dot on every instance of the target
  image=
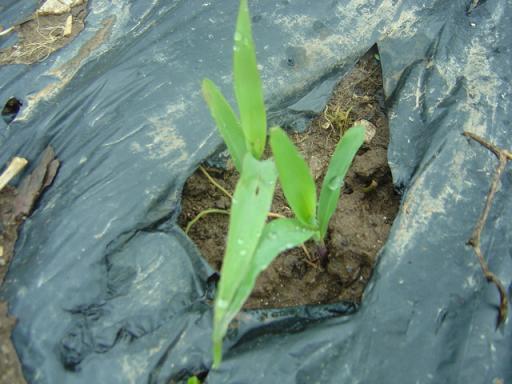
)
(215, 183)
(323, 254)
(202, 214)
(217, 353)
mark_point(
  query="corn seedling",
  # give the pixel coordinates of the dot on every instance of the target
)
(298, 184)
(252, 242)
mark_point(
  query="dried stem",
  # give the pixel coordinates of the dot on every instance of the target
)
(215, 183)
(14, 167)
(202, 214)
(503, 156)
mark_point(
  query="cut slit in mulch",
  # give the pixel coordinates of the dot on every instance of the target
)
(360, 225)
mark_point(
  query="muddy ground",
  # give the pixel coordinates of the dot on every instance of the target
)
(360, 225)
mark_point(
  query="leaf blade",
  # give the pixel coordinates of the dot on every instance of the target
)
(247, 84)
(226, 121)
(340, 162)
(252, 199)
(278, 236)
(295, 177)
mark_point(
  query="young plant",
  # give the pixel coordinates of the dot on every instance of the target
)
(298, 184)
(250, 132)
(252, 242)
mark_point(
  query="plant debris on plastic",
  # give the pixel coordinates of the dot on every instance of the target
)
(103, 285)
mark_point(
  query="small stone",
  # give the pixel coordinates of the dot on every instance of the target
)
(316, 166)
(68, 28)
(58, 7)
(370, 130)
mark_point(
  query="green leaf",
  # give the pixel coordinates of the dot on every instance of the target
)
(295, 177)
(226, 121)
(342, 158)
(247, 83)
(278, 236)
(193, 380)
(250, 206)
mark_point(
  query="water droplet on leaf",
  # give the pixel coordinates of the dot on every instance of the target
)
(335, 183)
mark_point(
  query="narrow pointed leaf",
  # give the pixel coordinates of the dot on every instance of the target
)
(333, 181)
(295, 177)
(249, 94)
(278, 236)
(250, 205)
(227, 123)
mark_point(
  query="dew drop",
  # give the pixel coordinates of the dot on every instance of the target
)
(335, 183)
(238, 36)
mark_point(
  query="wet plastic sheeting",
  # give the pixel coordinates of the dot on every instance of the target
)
(107, 289)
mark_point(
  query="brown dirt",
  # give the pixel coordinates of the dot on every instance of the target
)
(360, 225)
(41, 35)
(9, 365)
(15, 205)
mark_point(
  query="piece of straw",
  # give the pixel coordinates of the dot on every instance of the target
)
(15, 167)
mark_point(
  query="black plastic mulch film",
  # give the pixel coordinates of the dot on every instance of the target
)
(107, 289)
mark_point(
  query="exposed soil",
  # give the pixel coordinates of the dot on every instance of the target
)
(9, 366)
(42, 34)
(360, 225)
(15, 205)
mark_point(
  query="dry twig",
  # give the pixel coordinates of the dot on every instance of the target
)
(503, 156)
(15, 166)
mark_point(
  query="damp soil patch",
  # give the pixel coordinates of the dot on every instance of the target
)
(360, 225)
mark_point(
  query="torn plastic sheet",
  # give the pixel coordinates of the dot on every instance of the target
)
(106, 289)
